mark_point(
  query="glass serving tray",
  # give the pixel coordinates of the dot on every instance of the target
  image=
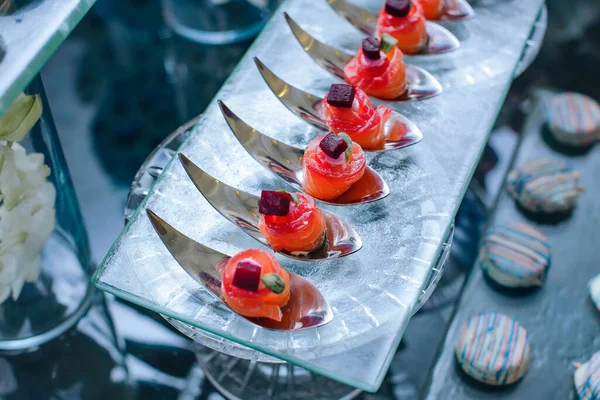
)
(30, 32)
(373, 292)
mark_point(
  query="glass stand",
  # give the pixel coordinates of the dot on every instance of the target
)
(232, 368)
(56, 301)
(57, 339)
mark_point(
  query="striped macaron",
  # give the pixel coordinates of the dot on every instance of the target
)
(515, 256)
(594, 289)
(574, 119)
(545, 185)
(493, 349)
(587, 379)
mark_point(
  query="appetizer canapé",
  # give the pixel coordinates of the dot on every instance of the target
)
(378, 68)
(255, 285)
(332, 163)
(404, 21)
(291, 221)
(349, 109)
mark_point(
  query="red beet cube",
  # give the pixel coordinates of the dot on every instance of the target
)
(398, 8)
(274, 203)
(247, 276)
(341, 95)
(333, 145)
(370, 48)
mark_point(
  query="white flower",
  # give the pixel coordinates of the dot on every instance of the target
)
(27, 217)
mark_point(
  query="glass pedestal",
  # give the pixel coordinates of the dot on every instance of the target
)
(58, 321)
(48, 306)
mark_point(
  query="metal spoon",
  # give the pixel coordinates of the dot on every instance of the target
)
(366, 21)
(285, 161)
(307, 308)
(241, 208)
(441, 40)
(308, 107)
(421, 84)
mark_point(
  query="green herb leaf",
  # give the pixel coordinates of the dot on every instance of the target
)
(294, 196)
(387, 43)
(348, 140)
(274, 283)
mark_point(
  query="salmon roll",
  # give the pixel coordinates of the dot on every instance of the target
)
(255, 285)
(332, 164)
(349, 109)
(378, 69)
(405, 22)
(291, 221)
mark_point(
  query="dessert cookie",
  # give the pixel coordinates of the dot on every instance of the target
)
(574, 119)
(587, 379)
(515, 256)
(545, 185)
(493, 349)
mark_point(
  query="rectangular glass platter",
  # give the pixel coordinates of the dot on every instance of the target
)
(373, 292)
(28, 38)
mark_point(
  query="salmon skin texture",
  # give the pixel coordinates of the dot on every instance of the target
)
(384, 78)
(364, 123)
(301, 230)
(410, 31)
(262, 303)
(326, 181)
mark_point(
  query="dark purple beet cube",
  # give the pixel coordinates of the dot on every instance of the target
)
(370, 48)
(341, 95)
(333, 145)
(247, 276)
(398, 8)
(274, 203)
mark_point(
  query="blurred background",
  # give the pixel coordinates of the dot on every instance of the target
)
(135, 70)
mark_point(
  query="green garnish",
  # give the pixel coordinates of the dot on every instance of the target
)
(348, 140)
(387, 43)
(294, 196)
(273, 282)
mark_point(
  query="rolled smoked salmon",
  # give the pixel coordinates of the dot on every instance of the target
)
(326, 177)
(301, 229)
(244, 289)
(364, 123)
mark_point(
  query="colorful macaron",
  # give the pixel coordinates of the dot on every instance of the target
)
(493, 349)
(587, 379)
(594, 289)
(515, 256)
(545, 185)
(574, 119)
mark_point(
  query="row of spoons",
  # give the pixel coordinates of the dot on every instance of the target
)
(307, 307)
(285, 161)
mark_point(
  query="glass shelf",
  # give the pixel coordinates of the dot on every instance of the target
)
(374, 292)
(29, 35)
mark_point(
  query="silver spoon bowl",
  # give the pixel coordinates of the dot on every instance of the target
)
(441, 40)
(421, 85)
(309, 108)
(241, 209)
(285, 161)
(307, 308)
